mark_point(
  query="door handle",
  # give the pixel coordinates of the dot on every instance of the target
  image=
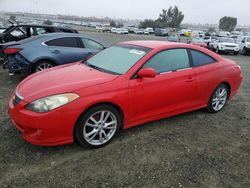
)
(56, 51)
(190, 79)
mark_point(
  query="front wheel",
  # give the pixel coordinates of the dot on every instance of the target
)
(218, 99)
(97, 126)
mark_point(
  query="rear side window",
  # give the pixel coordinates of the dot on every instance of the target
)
(200, 58)
(88, 43)
(43, 30)
(63, 42)
(169, 60)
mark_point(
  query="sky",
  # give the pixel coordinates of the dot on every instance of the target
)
(195, 11)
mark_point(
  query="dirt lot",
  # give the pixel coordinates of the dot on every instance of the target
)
(191, 150)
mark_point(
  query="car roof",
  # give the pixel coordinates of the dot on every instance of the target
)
(153, 44)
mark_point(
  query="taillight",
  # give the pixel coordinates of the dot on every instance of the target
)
(12, 50)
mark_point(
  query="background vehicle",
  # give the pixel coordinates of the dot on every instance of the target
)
(149, 30)
(48, 50)
(20, 32)
(245, 45)
(2, 29)
(173, 38)
(226, 45)
(199, 42)
(161, 32)
(96, 99)
(138, 31)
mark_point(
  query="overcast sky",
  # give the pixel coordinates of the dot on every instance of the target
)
(195, 11)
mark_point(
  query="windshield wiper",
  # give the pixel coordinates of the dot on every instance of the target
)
(99, 68)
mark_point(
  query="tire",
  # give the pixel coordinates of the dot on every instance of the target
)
(217, 50)
(90, 131)
(218, 99)
(236, 53)
(244, 51)
(43, 65)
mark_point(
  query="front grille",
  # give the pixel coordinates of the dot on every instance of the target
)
(17, 99)
(230, 46)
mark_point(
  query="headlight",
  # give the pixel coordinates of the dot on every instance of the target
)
(49, 103)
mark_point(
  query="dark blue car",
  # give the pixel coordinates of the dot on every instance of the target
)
(48, 50)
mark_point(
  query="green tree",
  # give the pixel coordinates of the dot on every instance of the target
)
(171, 17)
(112, 23)
(227, 23)
(47, 22)
(148, 23)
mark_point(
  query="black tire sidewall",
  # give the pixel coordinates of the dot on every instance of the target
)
(78, 131)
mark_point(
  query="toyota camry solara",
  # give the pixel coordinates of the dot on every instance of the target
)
(125, 85)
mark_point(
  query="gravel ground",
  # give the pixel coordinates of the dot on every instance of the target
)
(195, 149)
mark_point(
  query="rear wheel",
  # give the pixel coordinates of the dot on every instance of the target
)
(98, 126)
(218, 51)
(244, 51)
(236, 53)
(218, 99)
(43, 65)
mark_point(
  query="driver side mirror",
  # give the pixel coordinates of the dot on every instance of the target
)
(147, 73)
(243, 41)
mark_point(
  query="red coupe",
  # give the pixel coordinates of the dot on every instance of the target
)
(122, 86)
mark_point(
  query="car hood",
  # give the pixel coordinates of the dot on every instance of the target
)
(62, 79)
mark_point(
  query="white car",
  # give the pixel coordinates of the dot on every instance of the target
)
(139, 31)
(245, 45)
(149, 30)
(124, 31)
(226, 45)
(113, 30)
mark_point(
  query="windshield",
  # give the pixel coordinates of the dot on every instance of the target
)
(117, 59)
(198, 40)
(248, 39)
(227, 40)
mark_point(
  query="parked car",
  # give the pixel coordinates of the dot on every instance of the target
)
(149, 30)
(199, 42)
(161, 32)
(226, 45)
(124, 31)
(173, 38)
(138, 31)
(20, 32)
(2, 29)
(121, 87)
(48, 50)
(245, 45)
(113, 30)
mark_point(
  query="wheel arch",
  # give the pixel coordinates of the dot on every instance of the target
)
(227, 84)
(41, 60)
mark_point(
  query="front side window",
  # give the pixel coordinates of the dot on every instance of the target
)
(88, 43)
(200, 58)
(169, 60)
(63, 42)
(117, 59)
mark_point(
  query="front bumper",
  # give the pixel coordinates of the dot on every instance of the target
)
(44, 129)
(229, 50)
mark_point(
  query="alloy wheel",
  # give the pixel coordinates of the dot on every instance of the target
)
(219, 99)
(43, 66)
(100, 127)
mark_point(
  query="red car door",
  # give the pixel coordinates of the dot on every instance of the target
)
(171, 90)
